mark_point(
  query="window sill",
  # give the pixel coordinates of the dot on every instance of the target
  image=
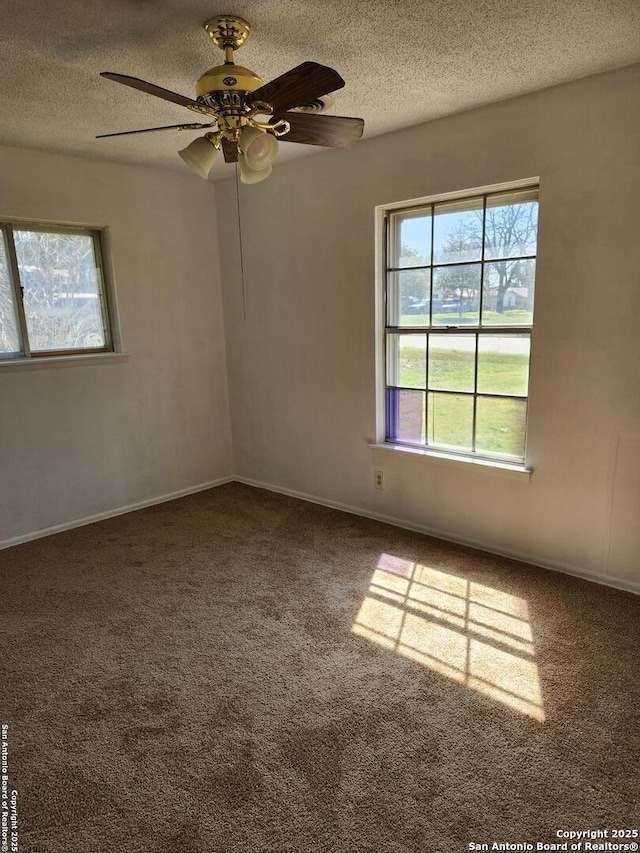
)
(60, 361)
(509, 468)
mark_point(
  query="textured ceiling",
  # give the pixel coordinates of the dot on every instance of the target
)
(404, 61)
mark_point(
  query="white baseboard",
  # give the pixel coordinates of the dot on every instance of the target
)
(606, 580)
(111, 513)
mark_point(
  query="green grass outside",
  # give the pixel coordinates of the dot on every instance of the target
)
(500, 423)
(452, 370)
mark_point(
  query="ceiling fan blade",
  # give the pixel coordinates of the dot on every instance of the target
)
(330, 131)
(152, 129)
(158, 91)
(301, 85)
(230, 150)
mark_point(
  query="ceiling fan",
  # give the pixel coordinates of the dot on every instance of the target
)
(233, 97)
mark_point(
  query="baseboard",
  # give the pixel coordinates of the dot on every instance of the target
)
(111, 513)
(606, 580)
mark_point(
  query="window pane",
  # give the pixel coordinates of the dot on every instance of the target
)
(450, 420)
(405, 415)
(456, 295)
(457, 231)
(503, 364)
(452, 362)
(407, 360)
(411, 239)
(500, 426)
(507, 298)
(408, 298)
(9, 337)
(511, 225)
(457, 266)
(62, 297)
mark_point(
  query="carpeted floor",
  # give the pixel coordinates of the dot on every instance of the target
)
(241, 671)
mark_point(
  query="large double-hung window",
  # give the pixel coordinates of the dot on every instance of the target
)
(459, 294)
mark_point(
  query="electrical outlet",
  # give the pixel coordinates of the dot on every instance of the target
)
(378, 479)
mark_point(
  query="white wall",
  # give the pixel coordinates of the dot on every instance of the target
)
(82, 440)
(301, 366)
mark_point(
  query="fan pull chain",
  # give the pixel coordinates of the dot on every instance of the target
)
(244, 301)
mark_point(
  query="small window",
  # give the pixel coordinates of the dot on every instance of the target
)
(459, 292)
(53, 299)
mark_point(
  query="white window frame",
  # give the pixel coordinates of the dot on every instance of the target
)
(381, 247)
(113, 341)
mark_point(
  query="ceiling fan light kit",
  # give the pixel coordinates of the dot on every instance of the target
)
(200, 155)
(259, 148)
(249, 175)
(233, 97)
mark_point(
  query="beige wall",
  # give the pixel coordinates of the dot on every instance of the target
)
(82, 440)
(301, 365)
(77, 441)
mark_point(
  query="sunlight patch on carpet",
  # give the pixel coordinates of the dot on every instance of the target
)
(473, 634)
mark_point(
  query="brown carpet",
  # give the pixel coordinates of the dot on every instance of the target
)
(241, 671)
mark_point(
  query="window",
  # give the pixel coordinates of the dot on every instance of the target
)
(53, 299)
(459, 288)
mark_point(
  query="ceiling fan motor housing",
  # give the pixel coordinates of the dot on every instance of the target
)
(226, 78)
